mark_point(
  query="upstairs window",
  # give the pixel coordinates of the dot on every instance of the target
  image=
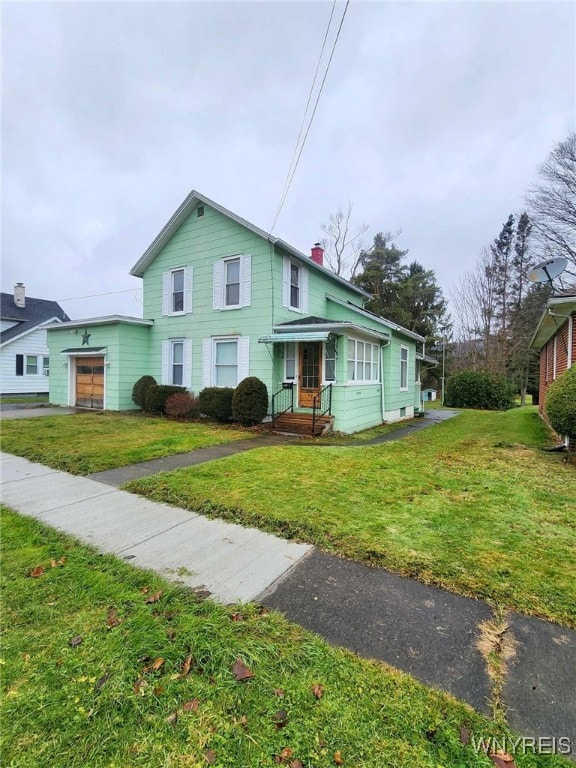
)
(232, 283)
(294, 286)
(178, 290)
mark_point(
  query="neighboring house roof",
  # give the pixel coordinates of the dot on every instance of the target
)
(558, 310)
(189, 204)
(33, 314)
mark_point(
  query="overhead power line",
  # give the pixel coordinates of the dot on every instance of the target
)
(108, 293)
(298, 149)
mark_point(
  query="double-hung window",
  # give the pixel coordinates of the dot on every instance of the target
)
(226, 363)
(232, 283)
(178, 290)
(46, 366)
(177, 362)
(403, 367)
(31, 365)
(294, 286)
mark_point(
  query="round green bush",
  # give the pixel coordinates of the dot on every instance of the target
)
(139, 390)
(156, 396)
(479, 389)
(561, 404)
(216, 403)
(250, 401)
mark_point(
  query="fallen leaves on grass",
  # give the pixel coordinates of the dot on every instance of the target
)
(237, 617)
(36, 572)
(318, 690)
(55, 563)
(139, 686)
(155, 597)
(280, 692)
(280, 719)
(241, 672)
(101, 680)
(191, 706)
(210, 756)
(155, 666)
(338, 759)
(75, 641)
(186, 666)
(112, 619)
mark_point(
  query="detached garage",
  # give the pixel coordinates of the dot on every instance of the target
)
(99, 368)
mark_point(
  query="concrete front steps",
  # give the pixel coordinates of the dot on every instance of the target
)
(301, 424)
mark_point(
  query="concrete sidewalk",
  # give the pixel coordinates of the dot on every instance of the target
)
(231, 562)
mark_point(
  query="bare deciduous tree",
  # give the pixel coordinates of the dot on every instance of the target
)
(552, 204)
(342, 248)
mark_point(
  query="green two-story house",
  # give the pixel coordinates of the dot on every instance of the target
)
(224, 300)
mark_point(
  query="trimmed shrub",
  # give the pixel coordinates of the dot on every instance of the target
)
(139, 390)
(180, 405)
(561, 404)
(216, 403)
(157, 394)
(479, 389)
(250, 401)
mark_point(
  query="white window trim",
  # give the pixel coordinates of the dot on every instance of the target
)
(555, 358)
(285, 378)
(335, 358)
(171, 363)
(402, 347)
(302, 309)
(363, 382)
(245, 280)
(209, 359)
(38, 367)
(168, 292)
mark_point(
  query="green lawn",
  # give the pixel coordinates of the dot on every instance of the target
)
(107, 665)
(471, 505)
(92, 442)
(17, 399)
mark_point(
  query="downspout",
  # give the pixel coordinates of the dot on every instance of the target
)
(382, 394)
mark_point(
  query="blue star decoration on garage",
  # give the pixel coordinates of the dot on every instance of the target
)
(86, 337)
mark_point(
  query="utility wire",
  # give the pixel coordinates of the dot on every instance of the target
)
(292, 170)
(307, 105)
(93, 295)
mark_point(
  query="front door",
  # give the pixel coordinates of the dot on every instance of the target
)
(90, 382)
(310, 381)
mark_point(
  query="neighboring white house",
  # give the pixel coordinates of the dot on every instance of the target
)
(24, 357)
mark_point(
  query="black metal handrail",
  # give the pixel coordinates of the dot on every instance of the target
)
(321, 405)
(283, 400)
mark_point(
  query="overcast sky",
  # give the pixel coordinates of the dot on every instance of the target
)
(433, 120)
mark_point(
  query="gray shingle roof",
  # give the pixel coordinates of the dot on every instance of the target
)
(311, 320)
(35, 311)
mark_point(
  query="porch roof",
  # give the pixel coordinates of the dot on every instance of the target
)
(83, 350)
(318, 331)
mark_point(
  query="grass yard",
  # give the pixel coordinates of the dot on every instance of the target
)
(92, 442)
(107, 665)
(471, 505)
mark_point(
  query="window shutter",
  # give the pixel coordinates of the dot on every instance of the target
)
(206, 363)
(19, 365)
(218, 285)
(166, 378)
(243, 357)
(188, 289)
(286, 283)
(166, 293)
(187, 372)
(304, 290)
(246, 286)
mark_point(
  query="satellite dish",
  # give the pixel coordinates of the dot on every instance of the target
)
(546, 271)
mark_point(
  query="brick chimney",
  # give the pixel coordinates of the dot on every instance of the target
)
(317, 254)
(20, 295)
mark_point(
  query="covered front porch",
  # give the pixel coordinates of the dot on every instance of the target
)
(315, 362)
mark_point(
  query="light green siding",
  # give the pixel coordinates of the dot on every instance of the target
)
(125, 357)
